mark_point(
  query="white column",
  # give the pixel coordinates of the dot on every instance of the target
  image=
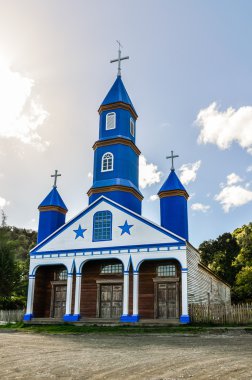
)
(135, 293)
(126, 293)
(184, 317)
(69, 293)
(30, 297)
(77, 294)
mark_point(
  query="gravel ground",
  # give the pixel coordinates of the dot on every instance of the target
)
(149, 356)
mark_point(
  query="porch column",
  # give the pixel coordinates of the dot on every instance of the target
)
(30, 297)
(67, 316)
(135, 315)
(76, 315)
(125, 315)
(184, 318)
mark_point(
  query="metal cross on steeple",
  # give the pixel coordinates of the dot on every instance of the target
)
(119, 59)
(172, 158)
(55, 177)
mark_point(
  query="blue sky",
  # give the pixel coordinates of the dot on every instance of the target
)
(189, 77)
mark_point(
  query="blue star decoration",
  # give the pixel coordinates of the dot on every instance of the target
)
(80, 232)
(126, 228)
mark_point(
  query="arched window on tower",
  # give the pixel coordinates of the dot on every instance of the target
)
(102, 227)
(110, 120)
(107, 162)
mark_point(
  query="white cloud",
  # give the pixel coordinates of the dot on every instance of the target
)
(233, 196)
(148, 173)
(189, 172)
(249, 169)
(233, 178)
(21, 113)
(223, 128)
(154, 197)
(200, 207)
(3, 202)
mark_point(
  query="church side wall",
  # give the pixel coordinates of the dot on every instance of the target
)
(204, 287)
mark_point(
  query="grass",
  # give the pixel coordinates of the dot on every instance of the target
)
(72, 329)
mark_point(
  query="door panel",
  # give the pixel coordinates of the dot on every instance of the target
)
(59, 305)
(111, 301)
(167, 300)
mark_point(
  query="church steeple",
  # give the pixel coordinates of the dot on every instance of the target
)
(115, 153)
(52, 212)
(173, 204)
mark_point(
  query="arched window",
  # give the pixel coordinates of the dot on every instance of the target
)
(132, 127)
(102, 227)
(107, 162)
(110, 120)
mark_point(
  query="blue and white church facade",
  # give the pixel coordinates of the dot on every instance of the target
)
(109, 262)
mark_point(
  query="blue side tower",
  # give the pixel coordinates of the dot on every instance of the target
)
(173, 205)
(52, 214)
(116, 155)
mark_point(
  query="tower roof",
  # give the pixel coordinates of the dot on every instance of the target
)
(117, 93)
(172, 183)
(53, 199)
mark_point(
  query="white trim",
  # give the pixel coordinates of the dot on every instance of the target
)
(110, 123)
(112, 158)
(132, 127)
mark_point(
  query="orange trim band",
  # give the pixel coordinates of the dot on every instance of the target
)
(116, 105)
(173, 193)
(115, 188)
(53, 208)
(117, 140)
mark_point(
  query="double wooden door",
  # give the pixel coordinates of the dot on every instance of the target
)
(111, 301)
(167, 300)
(58, 303)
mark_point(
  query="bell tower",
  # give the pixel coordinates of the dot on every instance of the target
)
(116, 156)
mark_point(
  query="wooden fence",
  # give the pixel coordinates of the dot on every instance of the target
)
(7, 316)
(221, 314)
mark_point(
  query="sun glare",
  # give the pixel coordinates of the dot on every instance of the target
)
(20, 114)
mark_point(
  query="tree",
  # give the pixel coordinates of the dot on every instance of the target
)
(243, 284)
(219, 255)
(9, 276)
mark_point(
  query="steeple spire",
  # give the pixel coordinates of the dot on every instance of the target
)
(119, 59)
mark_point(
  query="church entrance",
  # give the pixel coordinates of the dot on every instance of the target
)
(167, 300)
(111, 300)
(58, 307)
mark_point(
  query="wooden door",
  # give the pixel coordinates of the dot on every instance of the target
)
(167, 300)
(59, 300)
(111, 301)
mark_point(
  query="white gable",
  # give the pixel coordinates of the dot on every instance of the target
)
(142, 232)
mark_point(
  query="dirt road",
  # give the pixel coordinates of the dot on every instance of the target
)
(99, 356)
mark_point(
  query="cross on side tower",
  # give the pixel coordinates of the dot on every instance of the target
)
(119, 59)
(55, 177)
(172, 159)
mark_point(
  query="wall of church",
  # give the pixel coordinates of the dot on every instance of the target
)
(203, 286)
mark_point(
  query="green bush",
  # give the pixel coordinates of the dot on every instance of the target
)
(12, 303)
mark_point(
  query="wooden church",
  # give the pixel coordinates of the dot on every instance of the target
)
(109, 262)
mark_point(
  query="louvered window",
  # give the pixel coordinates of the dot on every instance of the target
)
(110, 120)
(132, 127)
(102, 226)
(107, 162)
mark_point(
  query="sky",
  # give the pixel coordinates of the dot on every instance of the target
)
(188, 76)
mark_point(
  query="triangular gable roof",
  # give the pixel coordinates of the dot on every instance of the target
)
(170, 238)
